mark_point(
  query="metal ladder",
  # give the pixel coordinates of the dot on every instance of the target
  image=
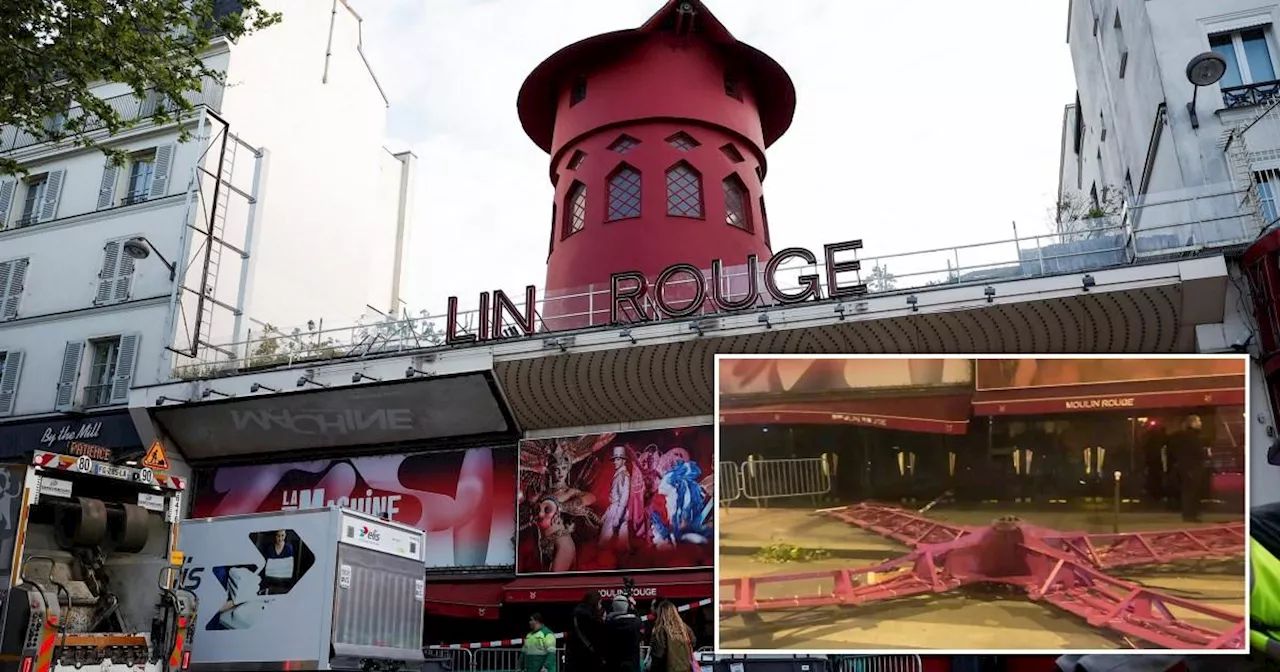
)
(217, 226)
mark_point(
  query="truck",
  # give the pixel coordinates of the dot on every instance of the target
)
(90, 582)
(316, 589)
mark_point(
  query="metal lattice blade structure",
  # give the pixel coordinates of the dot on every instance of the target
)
(1061, 569)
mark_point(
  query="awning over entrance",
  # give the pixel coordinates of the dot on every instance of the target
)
(419, 409)
(1137, 395)
(474, 599)
(671, 585)
(932, 414)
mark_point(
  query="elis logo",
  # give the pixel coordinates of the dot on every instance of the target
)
(367, 533)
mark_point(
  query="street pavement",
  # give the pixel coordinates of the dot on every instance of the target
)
(974, 619)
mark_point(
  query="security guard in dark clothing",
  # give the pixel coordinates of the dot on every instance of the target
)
(1191, 457)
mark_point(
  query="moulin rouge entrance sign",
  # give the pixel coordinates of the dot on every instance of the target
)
(629, 290)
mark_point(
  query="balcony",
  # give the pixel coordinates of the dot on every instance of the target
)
(129, 107)
(1248, 95)
(132, 199)
(97, 396)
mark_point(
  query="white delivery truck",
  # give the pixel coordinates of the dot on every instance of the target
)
(90, 586)
(316, 589)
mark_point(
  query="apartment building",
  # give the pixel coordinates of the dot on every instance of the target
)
(111, 277)
(1180, 169)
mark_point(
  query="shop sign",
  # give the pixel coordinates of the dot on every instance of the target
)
(628, 289)
(638, 593)
(1099, 403)
(97, 437)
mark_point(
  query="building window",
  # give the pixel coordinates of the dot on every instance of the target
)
(732, 153)
(13, 279)
(1266, 196)
(32, 199)
(684, 191)
(576, 160)
(682, 141)
(578, 92)
(624, 144)
(142, 170)
(1093, 197)
(551, 245)
(736, 211)
(624, 194)
(575, 209)
(764, 221)
(105, 356)
(10, 372)
(731, 86)
(1128, 186)
(1102, 125)
(1121, 46)
(1079, 126)
(1248, 57)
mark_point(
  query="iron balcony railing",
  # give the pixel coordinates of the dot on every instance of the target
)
(1206, 220)
(97, 396)
(129, 107)
(1248, 95)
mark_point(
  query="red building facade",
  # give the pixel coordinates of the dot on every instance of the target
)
(657, 138)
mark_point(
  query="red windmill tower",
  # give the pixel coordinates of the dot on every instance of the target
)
(657, 137)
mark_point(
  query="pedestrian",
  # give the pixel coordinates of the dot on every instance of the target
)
(539, 651)
(622, 636)
(583, 650)
(671, 645)
(1192, 461)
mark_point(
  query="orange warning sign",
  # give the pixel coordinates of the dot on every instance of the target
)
(156, 460)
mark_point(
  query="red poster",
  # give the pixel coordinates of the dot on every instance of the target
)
(604, 502)
(463, 499)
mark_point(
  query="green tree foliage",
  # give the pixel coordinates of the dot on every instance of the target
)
(52, 52)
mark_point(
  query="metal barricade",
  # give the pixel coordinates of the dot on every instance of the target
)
(889, 663)
(763, 480)
(450, 660)
(728, 482)
(496, 660)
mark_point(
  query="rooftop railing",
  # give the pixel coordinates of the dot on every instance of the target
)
(1177, 224)
(129, 107)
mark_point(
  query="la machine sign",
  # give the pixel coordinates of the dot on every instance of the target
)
(629, 290)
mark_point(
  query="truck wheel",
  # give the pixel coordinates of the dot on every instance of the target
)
(129, 529)
(81, 522)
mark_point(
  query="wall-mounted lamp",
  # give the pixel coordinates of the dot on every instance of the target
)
(162, 400)
(696, 325)
(912, 301)
(1087, 282)
(411, 372)
(840, 311)
(304, 381)
(360, 375)
(210, 392)
(764, 319)
(141, 248)
(1203, 70)
(626, 333)
(259, 386)
(990, 293)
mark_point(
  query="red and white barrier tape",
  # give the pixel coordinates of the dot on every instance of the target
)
(559, 635)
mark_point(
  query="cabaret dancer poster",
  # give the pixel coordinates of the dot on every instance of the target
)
(616, 502)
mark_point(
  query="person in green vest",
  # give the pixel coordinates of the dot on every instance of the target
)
(1264, 582)
(539, 650)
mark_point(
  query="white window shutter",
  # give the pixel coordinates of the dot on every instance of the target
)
(68, 376)
(160, 179)
(126, 362)
(11, 292)
(7, 188)
(9, 380)
(52, 194)
(107, 192)
(123, 283)
(107, 276)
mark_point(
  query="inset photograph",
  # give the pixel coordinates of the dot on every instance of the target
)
(993, 504)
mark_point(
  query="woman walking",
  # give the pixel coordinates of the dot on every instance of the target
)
(671, 646)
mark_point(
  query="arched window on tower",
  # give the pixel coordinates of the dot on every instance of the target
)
(624, 193)
(737, 211)
(684, 191)
(764, 222)
(575, 209)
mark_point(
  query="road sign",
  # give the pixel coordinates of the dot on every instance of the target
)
(156, 458)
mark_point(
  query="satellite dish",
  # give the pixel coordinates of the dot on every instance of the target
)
(136, 248)
(1206, 69)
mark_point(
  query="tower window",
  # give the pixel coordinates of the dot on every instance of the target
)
(731, 86)
(551, 246)
(575, 210)
(682, 141)
(760, 173)
(576, 160)
(732, 153)
(764, 221)
(624, 144)
(578, 92)
(684, 191)
(736, 211)
(624, 193)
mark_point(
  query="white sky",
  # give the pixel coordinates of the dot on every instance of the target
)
(918, 125)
